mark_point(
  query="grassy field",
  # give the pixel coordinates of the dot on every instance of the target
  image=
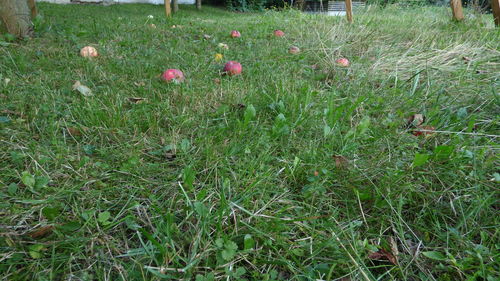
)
(298, 169)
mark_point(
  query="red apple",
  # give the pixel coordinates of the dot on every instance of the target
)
(232, 68)
(294, 50)
(173, 75)
(279, 33)
(342, 62)
(235, 34)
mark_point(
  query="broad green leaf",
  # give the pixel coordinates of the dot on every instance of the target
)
(219, 242)
(87, 214)
(420, 159)
(434, 255)
(299, 252)
(70, 226)
(229, 250)
(185, 145)
(131, 223)
(35, 251)
(50, 213)
(326, 130)
(103, 217)
(443, 151)
(364, 125)
(248, 242)
(28, 179)
(12, 188)
(188, 177)
(41, 182)
(201, 209)
(250, 114)
(35, 255)
(239, 272)
(496, 177)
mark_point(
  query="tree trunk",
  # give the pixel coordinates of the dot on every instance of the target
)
(198, 4)
(176, 6)
(15, 17)
(299, 4)
(168, 11)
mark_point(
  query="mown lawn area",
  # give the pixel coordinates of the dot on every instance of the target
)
(298, 169)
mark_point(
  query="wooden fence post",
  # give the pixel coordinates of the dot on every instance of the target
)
(168, 11)
(175, 4)
(348, 10)
(456, 9)
(32, 6)
(495, 5)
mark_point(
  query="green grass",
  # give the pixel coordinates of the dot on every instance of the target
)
(287, 172)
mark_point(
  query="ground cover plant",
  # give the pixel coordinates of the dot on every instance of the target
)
(298, 168)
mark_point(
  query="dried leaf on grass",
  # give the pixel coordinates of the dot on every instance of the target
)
(416, 122)
(382, 254)
(394, 246)
(41, 231)
(84, 90)
(170, 155)
(340, 161)
(136, 100)
(426, 131)
(74, 131)
(11, 112)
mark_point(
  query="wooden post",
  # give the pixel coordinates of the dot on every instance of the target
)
(495, 5)
(32, 6)
(168, 12)
(456, 9)
(175, 4)
(348, 10)
(198, 4)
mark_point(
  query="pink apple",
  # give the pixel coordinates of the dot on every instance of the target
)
(342, 62)
(173, 75)
(235, 34)
(294, 50)
(279, 33)
(232, 68)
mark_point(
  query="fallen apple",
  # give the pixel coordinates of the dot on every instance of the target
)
(342, 62)
(232, 68)
(88, 51)
(235, 34)
(218, 57)
(294, 50)
(279, 33)
(223, 46)
(173, 75)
